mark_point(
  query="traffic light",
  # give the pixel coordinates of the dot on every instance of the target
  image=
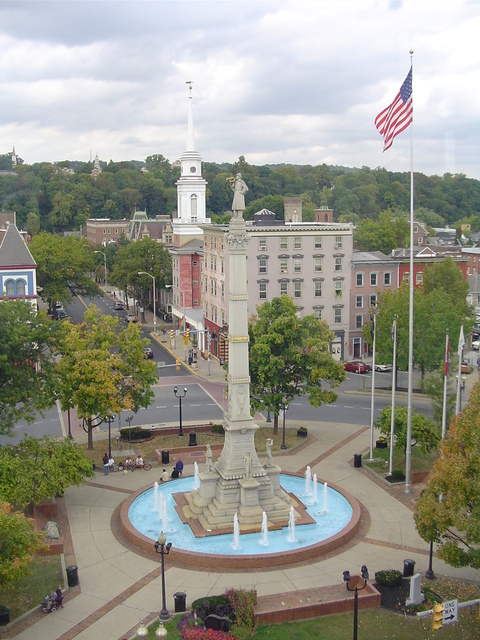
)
(178, 369)
(187, 334)
(437, 617)
(171, 334)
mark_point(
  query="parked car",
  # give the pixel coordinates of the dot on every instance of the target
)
(384, 367)
(131, 318)
(61, 314)
(357, 366)
(466, 367)
(148, 352)
(476, 345)
(118, 306)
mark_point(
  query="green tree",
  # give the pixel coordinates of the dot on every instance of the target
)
(448, 511)
(290, 357)
(425, 433)
(62, 263)
(104, 370)
(38, 468)
(28, 375)
(18, 542)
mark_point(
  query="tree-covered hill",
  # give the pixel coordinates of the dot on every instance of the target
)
(62, 196)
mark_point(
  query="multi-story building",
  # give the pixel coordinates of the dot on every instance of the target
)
(372, 273)
(18, 277)
(101, 231)
(424, 256)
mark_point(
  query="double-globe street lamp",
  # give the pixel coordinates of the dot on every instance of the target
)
(177, 395)
(142, 631)
(104, 263)
(285, 409)
(163, 548)
(145, 273)
(346, 578)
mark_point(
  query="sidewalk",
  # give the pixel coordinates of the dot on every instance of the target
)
(121, 586)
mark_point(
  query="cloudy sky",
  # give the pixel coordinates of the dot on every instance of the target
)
(275, 81)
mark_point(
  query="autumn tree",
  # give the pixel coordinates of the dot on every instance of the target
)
(18, 542)
(448, 511)
(103, 369)
(38, 468)
(290, 357)
(28, 375)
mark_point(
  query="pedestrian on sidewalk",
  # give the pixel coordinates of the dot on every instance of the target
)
(105, 461)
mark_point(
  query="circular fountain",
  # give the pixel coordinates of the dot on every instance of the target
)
(333, 519)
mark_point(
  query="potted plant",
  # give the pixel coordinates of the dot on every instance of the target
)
(302, 432)
(381, 443)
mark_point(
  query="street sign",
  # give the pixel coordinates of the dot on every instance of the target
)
(450, 611)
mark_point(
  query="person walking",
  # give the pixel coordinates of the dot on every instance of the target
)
(106, 461)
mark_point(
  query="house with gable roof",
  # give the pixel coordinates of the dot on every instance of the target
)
(18, 278)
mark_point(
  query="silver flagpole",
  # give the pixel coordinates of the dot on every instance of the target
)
(408, 447)
(394, 384)
(372, 406)
(445, 384)
(461, 342)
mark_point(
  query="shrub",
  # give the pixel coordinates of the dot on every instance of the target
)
(389, 577)
(217, 605)
(135, 433)
(218, 428)
(243, 604)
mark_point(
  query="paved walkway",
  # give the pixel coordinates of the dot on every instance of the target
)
(119, 587)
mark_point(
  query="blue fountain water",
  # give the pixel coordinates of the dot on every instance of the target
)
(145, 518)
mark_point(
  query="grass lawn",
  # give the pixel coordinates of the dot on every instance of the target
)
(420, 461)
(161, 442)
(45, 575)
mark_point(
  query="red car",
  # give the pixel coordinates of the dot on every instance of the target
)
(357, 366)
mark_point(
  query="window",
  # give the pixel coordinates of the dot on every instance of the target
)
(214, 314)
(211, 242)
(297, 290)
(283, 243)
(211, 262)
(406, 277)
(358, 322)
(262, 291)
(222, 266)
(359, 279)
(387, 278)
(10, 287)
(317, 291)
(262, 265)
(284, 288)
(318, 314)
(223, 289)
(262, 244)
(214, 263)
(20, 286)
(104, 232)
(373, 300)
(338, 288)
(297, 242)
(337, 316)
(317, 265)
(194, 263)
(415, 229)
(373, 279)
(419, 278)
(338, 264)
(215, 286)
(317, 242)
(283, 265)
(297, 265)
(193, 207)
(211, 285)
(338, 242)
(358, 302)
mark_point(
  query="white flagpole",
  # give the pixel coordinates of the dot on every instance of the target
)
(408, 447)
(445, 384)
(372, 404)
(461, 342)
(394, 383)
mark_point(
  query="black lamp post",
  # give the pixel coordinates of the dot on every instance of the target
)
(285, 409)
(346, 579)
(69, 426)
(129, 420)
(175, 391)
(109, 419)
(164, 550)
(429, 573)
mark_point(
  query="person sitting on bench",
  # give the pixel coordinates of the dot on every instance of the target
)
(175, 473)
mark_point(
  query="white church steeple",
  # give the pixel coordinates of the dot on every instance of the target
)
(191, 187)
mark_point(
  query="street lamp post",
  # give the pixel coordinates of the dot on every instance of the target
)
(429, 573)
(346, 579)
(129, 420)
(109, 419)
(175, 391)
(140, 273)
(69, 426)
(104, 263)
(164, 550)
(285, 409)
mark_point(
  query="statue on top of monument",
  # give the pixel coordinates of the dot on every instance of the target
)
(239, 189)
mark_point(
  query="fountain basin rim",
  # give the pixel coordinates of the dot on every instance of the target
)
(203, 561)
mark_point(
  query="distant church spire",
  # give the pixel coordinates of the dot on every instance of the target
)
(190, 136)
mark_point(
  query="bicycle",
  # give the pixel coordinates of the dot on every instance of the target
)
(145, 466)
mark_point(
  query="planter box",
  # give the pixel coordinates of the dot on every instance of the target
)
(302, 433)
(381, 444)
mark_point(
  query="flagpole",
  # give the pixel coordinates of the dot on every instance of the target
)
(372, 404)
(408, 447)
(394, 384)
(445, 384)
(461, 342)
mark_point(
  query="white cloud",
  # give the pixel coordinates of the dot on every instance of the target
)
(279, 81)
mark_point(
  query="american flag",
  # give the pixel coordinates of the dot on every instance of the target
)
(398, 116)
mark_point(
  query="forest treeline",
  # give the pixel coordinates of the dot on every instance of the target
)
(62, 196)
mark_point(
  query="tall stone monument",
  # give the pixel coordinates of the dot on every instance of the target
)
(238, 482)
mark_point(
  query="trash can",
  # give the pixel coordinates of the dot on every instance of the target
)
(4, 615)
(193, 439)
(180, 601)
(408, 568)
(72, 576)
(165, 457)
(357, 460)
